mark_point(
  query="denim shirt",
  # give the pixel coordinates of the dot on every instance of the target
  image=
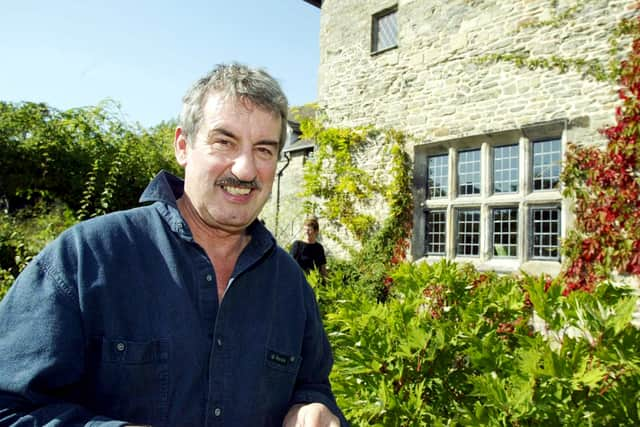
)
(118, 321)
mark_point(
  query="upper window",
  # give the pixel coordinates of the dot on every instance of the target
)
(469, 173)
(438, 176)
(546, 164)
(505, 169)
(384, 34)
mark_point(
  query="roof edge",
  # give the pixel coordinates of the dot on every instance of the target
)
(316, 3)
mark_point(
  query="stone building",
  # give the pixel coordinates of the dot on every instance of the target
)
(488, 134)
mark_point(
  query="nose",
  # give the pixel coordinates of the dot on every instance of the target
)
(244, 166)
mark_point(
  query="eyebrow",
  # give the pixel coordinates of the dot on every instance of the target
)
(228, 133)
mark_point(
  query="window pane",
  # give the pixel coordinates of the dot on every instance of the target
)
(436, 232)
(505, 232)
(505, 169)
(546, 164)
(468, 232)
(545, 225)
(469, 172)
(438, 176)
(385, 31)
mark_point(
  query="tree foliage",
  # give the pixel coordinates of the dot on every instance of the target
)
(88, 158)
(57, 167)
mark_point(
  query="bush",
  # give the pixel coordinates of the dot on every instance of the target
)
(453, 346)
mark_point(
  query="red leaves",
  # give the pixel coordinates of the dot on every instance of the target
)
(606, 185)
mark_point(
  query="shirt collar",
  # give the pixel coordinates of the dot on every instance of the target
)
(167, 189)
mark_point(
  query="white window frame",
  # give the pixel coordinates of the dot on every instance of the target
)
(524, 199)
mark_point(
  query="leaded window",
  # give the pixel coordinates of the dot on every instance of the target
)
(506, 169)
(545, 232)
(436, 232)
(546, 164)
(385, 30)
(469, 173)
(505, 232)
(468, 227)
(438, 176)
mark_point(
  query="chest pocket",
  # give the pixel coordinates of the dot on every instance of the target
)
(129, 380)
(277, 382)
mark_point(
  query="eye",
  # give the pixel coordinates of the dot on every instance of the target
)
(266, 151)
(221, 144)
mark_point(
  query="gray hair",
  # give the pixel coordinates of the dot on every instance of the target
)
(238, 82)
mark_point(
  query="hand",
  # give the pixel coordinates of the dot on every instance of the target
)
(310, 415)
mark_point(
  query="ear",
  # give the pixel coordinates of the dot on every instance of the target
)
(180, 146)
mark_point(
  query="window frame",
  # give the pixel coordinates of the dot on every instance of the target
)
(524, 198)
(473, 173)
(531, 232)
(493, 231)
(493, 168)
(429, 233)
(375, 30)
(546, 166)
(447, 190)
(467, 209)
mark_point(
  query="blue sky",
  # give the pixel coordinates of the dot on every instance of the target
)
(144, 54)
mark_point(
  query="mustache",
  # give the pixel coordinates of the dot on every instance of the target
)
(235, 182)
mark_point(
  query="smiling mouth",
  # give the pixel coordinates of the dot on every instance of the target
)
(236, 191)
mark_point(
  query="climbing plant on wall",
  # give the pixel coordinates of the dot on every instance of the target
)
(606, 187)
(339, 189)
(604, 183)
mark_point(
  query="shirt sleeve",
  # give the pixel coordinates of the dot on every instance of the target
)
(312, 384)
(42, 353)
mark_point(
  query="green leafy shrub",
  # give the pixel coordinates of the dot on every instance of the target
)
(24, 234)
(453, 346)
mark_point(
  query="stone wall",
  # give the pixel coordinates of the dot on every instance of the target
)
(435, 86)
(283, 214)
(432, 86)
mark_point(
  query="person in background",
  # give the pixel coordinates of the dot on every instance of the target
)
(183, 312)
(309, 253)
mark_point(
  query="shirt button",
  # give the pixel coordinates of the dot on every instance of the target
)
(219, 342)
(120, 346)
(217, 412)
(209, 277)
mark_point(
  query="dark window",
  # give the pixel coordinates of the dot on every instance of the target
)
(546, 164)
(436, 232)
(545, 232)
(469, 173)
(438, 176)
(468, 232)
(505, 232)
(385, 30)
(506, 169)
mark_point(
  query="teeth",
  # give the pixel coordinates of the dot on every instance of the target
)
(238, 191)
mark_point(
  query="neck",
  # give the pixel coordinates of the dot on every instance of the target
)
(221, 242)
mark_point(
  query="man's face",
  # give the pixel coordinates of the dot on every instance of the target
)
(231, 162)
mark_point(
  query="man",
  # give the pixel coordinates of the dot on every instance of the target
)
(180, 313)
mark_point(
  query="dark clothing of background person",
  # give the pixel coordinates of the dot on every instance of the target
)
(309, 256)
